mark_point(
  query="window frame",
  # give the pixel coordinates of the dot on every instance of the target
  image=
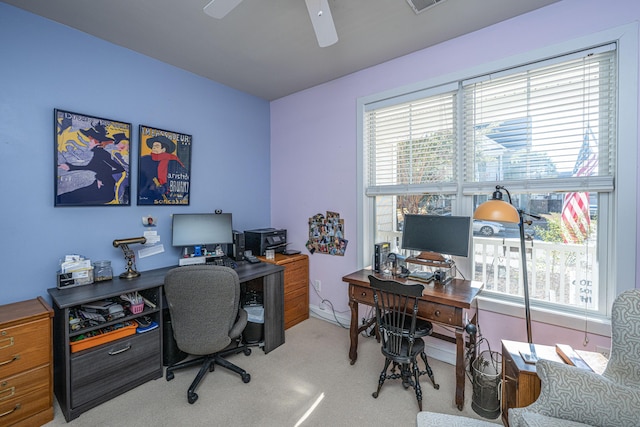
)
(619, 210)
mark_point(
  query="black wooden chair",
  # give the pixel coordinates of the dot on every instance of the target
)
(396, 307)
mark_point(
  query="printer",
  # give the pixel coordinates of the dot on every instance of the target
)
(261, 239)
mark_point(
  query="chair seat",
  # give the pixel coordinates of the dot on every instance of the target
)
(423, 327)
(418, 347)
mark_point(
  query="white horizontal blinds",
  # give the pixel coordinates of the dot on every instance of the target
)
(411, 147)
(552, 122)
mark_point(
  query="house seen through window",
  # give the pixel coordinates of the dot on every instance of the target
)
(544, 130)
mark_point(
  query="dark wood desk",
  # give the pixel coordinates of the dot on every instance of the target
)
(443, 304)
(87, 378)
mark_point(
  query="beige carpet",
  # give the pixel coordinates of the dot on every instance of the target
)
(312, 367)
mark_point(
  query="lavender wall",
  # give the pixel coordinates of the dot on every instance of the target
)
(313, 137)
(46, 65)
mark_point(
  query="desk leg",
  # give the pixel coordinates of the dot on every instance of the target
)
(459, 369)
(353, 332)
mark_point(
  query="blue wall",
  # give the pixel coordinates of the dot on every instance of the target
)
(45, 65)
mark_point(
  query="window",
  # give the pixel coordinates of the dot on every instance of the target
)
(549, 130)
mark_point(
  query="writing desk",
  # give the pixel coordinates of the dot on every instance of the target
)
(442, 304)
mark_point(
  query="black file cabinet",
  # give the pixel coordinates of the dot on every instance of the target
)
(83, 379)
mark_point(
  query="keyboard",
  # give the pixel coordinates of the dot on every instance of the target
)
(224, 261)
(421, 276)
(209, 260)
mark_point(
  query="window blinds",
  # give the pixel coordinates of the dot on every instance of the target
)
(544, 127)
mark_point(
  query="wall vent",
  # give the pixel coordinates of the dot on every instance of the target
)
(420, 6)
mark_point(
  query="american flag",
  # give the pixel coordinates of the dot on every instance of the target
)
(575, 208)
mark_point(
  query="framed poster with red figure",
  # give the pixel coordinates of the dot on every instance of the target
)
(92, 160)
(164, 167)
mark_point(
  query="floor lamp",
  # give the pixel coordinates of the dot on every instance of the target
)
(498, 210)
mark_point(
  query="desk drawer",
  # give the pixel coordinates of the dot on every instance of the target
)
(296, 308)
(20, 407)
(24, 347)
(361, 294)
(21, 384)
(296, 276)
(426, 310)
(98, 371)
(440, 313)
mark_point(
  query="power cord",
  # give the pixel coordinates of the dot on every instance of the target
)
(330, 304)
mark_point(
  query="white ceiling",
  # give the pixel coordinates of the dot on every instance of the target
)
(267, 47)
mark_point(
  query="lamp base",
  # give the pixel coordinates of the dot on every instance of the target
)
(530, 356)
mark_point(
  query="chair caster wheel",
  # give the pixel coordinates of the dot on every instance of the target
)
(246, 378)
(192, 397)
(170, 376)
(436, 386)
(374, 394)
(247, 351)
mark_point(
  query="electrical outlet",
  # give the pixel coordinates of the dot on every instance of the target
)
(605, 351)
(316, 285)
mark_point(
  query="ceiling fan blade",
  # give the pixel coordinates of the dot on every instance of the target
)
(220, 8)
(322, 21)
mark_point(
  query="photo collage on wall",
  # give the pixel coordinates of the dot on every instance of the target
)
(326, 234)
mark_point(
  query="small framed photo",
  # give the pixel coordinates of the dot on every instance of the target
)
(164, 167)
(92, 160)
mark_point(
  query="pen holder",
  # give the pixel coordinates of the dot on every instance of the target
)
(137, 308)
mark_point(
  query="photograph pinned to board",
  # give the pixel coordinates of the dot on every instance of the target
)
(326, 234)
(164, 167)
(92, 160)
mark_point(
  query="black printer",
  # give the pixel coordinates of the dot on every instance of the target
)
(261, 239)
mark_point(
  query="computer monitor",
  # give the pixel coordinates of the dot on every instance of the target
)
(446, 235)
(201, 229)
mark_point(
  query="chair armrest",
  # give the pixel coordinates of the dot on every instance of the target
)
(239, 325)
(579, 395)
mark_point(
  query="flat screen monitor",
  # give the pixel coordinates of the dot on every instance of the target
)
(201, 229)
(447, 235)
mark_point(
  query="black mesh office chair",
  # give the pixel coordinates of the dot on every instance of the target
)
(204, 303)
(396, 307)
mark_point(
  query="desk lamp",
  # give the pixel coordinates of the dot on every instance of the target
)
(129, 255)
(498, 210)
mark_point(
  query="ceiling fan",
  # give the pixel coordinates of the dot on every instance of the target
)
(319, 13)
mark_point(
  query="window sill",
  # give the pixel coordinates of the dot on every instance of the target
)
(595, 325)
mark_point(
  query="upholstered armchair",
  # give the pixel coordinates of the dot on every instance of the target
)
(571, 396)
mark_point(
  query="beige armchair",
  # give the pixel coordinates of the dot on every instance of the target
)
(571, 396)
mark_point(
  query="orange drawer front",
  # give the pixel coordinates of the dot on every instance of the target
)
(24, 347)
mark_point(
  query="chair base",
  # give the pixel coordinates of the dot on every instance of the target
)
(410, 375)
(208, 363)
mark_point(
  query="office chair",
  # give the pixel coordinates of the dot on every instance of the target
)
(204, 303)
(396, 307)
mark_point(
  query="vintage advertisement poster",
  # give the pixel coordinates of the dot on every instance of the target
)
(92, 160)
(164, 167)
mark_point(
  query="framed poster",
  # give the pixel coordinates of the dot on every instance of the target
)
(164, 167)
(92, 160)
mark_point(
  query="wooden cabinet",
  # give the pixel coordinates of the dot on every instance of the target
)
(26, 363)
(91, 376)
(296, 287)
(520, 382)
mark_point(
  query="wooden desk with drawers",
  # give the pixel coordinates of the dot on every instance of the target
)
(443, 304)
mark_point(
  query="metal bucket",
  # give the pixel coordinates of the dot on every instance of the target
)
(487, 372)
